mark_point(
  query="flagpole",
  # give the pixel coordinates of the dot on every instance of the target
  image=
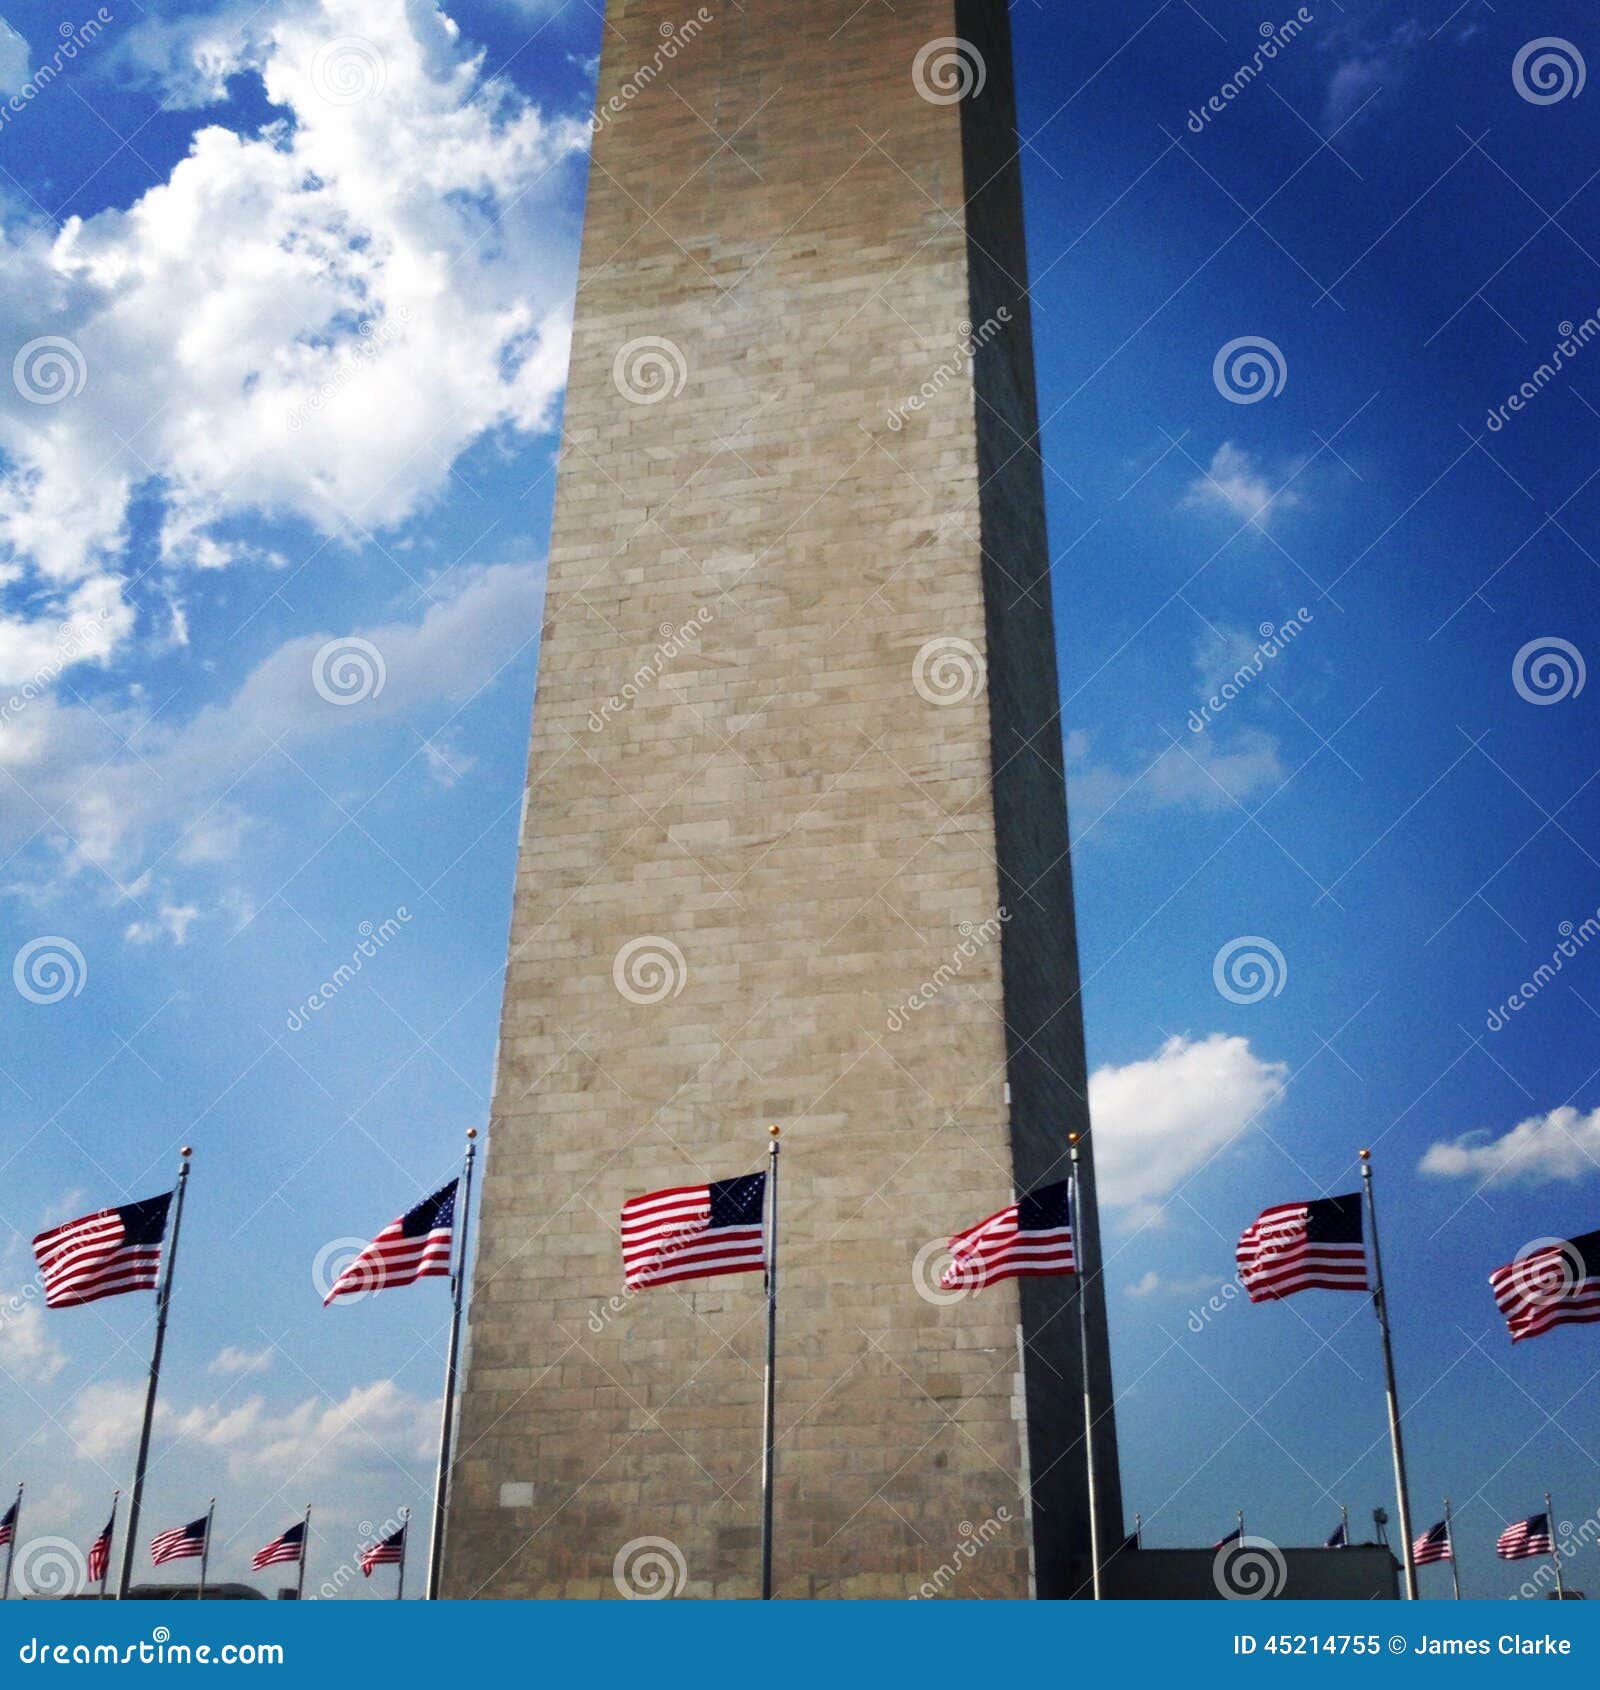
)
(205, 1548)
(441, 1482)
(305, 1546)
(1240, 1513)
(1344, 1527)
(111, 1533)
(1380, 1304)
(1138, 1531)
(11, 1547)
(1555, 1551)
(769, 1410)
(1450, 1538)
(1076, 1222)
(405, 1544)
(163, 1303)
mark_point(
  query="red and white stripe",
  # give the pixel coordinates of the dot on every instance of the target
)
(667, 1236)
(1275, 1258)
(1545, 1289)
(86, 1259)
(996, 1249)
(176, 1545)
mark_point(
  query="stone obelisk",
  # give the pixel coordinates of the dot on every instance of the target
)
(794, 848)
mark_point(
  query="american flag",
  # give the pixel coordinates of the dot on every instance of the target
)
(1526, 1538)
(1235, 1536)
(1558, 1285)
(1027, 1239)
(1303, 1247)
(1339, 1537)
(386, 1552)
(1434, 1545)
(100, 1551)
(417, 1246)
(290, 1547)
(8, 1523)
(182, 1543)
(694, 1232)
(103, 1254)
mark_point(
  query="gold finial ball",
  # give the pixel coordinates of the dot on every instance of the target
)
(186, 1151)
(472, 1132)
(1074, 1138)
(774, 1131)
(1365, 1155)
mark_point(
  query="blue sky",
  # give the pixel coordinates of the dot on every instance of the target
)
(311, 262)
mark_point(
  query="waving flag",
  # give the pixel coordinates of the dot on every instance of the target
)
(1303, 1247)
(290, 1547)
(100, 1552)
(1434, 1545)
(417, 1246)
(8, 1523)
(1525, 1539)
(694, 1232)
(1555, 1286)
(386, 1552)
(1031, 1238)
(1339, 1537)
(104, 1254)
(182, 1543)
(1235, 1536)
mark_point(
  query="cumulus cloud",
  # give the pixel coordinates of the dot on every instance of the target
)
(231, 1359)
(1158, 1120)
(27, 1348)
(1560, 1145)
(309, 322)
(119, 784)
(1237, 483)
(1192, 774)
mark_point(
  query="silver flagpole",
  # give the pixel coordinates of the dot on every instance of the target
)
(11, 1548)
(1240, 1513)
(1555, 1549)
(305, 1548)
(1344, 1529)
(1138, 1531)
(441, 1482)
(769, 1412)
(1380, 1304)
(1074, 1220)
(405, 1544)
(163, 1303)
(205, 1547)
(1450, 1538)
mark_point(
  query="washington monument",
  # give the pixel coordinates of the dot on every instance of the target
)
(794, 848)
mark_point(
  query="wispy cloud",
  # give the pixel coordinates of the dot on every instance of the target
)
(1237, 483)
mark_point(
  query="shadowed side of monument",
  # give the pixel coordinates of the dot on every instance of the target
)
(794, 849)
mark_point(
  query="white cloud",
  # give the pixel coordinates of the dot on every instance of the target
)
(172, 919)
(27, 1348)
(217, 323)
(1237, 483)
(1153, 1284)
(373, 1426)
(14, 59)
(231, 1359)
(1191, 774)
(1562, 1144)
(1158, 1120)
(119, 783)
